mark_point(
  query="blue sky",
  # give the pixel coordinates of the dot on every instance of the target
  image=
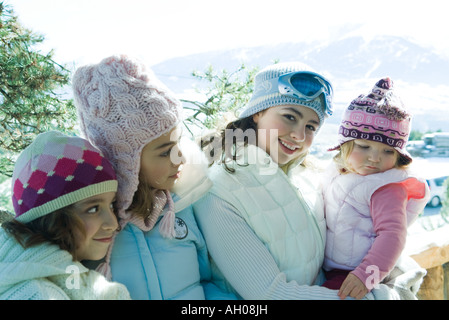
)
(85, 31)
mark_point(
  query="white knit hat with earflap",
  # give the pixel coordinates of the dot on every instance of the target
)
(122, 107)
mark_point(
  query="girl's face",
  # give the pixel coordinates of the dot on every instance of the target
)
(296, 127)
(156, 161)
(100, 223)
(368, 157)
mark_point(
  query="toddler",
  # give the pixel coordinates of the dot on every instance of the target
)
(371, 196)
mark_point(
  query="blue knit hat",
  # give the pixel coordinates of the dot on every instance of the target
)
(266, 93)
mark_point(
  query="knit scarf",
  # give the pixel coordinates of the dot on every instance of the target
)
(166, 226)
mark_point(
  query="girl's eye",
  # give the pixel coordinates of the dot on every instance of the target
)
(389, 151)
(166, 153)
(311, 128)
(113, 206)
(361, 146)
(93, 210)
(290, 117)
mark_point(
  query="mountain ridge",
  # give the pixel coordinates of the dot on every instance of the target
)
(352, 63)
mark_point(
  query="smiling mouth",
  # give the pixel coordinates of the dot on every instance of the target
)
(106, 240)
(288, 146)
(176, 175)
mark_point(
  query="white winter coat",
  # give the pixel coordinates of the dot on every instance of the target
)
(286, 212)
(347, 198)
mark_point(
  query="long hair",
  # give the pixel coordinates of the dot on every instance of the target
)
(143, 199)
(342, 156)
(229, 148)
(61, 227)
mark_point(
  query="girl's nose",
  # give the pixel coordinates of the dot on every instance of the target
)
(299, 133)
(374, 156)
(180, 159)
(110, 220)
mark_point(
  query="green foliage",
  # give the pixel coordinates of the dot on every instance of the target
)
(29, 80)
(416, 135)
(445, 202)
(225, 92)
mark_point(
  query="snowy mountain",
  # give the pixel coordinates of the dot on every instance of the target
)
(352, 63)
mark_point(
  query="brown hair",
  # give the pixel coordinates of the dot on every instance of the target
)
(229, 149)
(143, 199)
(345, 151)
(61, 227)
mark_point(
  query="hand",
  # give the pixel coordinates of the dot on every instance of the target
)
(353, 287)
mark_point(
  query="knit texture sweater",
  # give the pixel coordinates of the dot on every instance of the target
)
(45, 272)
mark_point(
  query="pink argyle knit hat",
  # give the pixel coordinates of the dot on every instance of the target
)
(379, 116)
(56, 171)
(122, 107)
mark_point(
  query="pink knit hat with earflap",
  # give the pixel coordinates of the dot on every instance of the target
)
(379, 116)
(122, 107)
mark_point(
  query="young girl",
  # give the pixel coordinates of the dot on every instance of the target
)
(63, 194)
(371, 196)
(263, 218)
(129, 115)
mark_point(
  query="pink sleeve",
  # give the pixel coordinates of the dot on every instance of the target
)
(388, 211)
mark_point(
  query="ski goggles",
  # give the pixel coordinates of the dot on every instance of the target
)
(307, 86)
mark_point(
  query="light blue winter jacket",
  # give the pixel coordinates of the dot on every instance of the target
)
(156, 268)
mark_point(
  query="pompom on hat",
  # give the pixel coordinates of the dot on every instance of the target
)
(122, 107)
(378, 116)
(56, 171)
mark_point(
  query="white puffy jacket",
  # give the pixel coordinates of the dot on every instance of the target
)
(286, 212)
(347, 198)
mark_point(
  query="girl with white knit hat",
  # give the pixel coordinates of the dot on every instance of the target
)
(263, 219)
(134, 119)
(63, 190)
